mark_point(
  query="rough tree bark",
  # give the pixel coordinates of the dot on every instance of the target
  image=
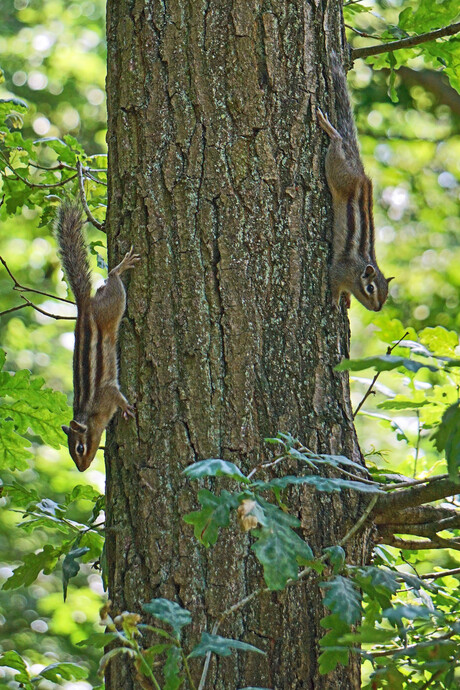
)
(217, 178)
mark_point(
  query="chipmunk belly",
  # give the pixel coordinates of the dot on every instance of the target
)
(107, 369)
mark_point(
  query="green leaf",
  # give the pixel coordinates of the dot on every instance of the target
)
(214, 468)
(333, 653)
(112, 653)
(20, 494)
(447, 437)
(13, 448)
(172, 669)
(215, 513)
(64, 671)
(409, 611)
(98, 640)
(33, 564)
(222, 646)
(439, 340)
(26, 404)
(383, 363)
(13, 660)
(278, 548)
(71, 567)
(379, 577)
(82, 491)
(343, 599)
(169, 612)
(336, 556)
(320, 483)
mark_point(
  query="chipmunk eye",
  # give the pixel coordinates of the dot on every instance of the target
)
(80, 449)
(370, 288)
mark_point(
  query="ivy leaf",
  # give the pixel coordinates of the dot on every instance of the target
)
(172, 668)
(343, 599)
(33, 564)
(278, 548)
(383, 363)
(169, 612)
(447, 437)
(215, 513)
(222, 646)
(63, 670)
(71, 567)
(214, 468)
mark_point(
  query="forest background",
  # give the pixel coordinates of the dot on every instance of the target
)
(53, 60)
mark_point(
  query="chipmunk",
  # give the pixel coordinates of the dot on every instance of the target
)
(354, 265)
(95, 375)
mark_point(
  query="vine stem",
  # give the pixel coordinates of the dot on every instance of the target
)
(264, 590)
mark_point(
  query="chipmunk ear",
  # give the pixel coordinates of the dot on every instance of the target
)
(65, 429)
(369, 270)
(76, 426)
(392, 278)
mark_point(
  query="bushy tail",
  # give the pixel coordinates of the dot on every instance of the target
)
(345, 120)
(74, 255)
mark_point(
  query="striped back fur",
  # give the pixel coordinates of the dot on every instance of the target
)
(73, 251)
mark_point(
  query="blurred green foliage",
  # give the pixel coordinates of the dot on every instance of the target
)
(53, 59)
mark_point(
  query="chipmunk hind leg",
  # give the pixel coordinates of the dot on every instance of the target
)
(129, 261)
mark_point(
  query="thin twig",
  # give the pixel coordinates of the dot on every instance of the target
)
(8, 311)
(362, 33)
(47, 313)
(409, 42)
(369, 390)
(412, 482)
(264, 466)
(89, 215)
(22, 288)
(397, 650)
(39, 185)
(442, 573)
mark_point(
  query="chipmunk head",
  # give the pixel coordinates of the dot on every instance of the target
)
(372, 288)
(83, 443)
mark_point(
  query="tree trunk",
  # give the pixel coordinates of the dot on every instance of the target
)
(217, 179)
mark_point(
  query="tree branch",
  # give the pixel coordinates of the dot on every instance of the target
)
(416, 496)
(415, 515)
(409, 42)
(408, 545)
